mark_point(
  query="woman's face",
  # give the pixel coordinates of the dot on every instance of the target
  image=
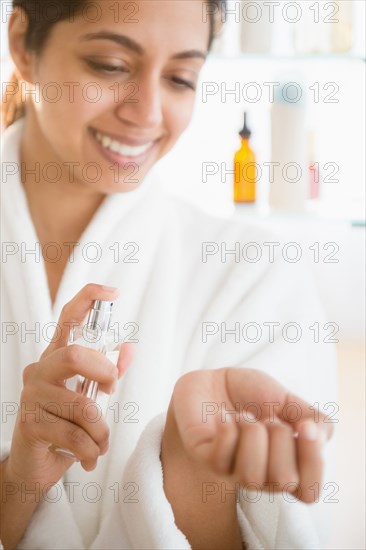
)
(116, 93)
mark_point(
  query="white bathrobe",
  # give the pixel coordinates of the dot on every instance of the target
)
(168, 293)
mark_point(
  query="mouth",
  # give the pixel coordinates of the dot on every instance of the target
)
(123, 150)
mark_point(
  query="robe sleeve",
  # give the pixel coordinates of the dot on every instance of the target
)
(145, 520)
(148, 519)
(142, 522)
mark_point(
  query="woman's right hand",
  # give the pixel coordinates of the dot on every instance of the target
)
(52, 414)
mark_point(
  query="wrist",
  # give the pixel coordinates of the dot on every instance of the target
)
(204, 517)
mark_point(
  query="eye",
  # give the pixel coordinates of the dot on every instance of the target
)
(181, 83)
(108, 69)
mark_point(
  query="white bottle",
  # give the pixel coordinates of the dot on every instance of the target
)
(342, 30)
(97, 335)
(289, 186)
(256, 27)
(312, 32)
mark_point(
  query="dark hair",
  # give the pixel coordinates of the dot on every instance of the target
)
(42, 15)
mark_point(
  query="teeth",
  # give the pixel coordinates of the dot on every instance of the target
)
(106, 141)
(120, 148)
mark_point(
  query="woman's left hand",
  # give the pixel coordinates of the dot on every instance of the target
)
(242, 424)
(231, 428)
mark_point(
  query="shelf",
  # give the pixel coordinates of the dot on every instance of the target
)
(303, 57)
(312, 213)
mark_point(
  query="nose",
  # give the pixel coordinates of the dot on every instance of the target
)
(141, 103)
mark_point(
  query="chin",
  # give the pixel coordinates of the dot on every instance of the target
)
(119, 188)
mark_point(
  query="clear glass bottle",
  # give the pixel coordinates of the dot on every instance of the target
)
(96, 334)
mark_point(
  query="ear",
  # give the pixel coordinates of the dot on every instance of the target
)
(23, 59)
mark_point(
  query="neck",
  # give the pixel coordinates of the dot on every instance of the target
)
(61, 206)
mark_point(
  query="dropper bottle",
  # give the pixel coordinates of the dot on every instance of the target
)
(245, 169)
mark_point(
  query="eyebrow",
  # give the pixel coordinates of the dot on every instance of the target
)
(132, 45)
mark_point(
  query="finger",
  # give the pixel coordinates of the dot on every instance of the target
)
(125, 358)
(71, 360)
(296, 411)
(282, 470)
(65, 435)
(251, 456)
(222, 456)
(310, 441)
(271, 398)
(196, 414)
(54, 401)
(75, 311)
(208, 434)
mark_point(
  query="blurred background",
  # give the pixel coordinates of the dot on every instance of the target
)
(297, 69)
(311, 56)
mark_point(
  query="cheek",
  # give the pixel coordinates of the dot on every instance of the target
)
(65, 121)
(75, 102)
(178, 117)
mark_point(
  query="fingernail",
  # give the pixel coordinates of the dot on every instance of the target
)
(309, 431)
(124, 363)
(322, 436)
(127, 356)
(109, 288)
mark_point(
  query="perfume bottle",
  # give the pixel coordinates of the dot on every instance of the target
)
(95, 334)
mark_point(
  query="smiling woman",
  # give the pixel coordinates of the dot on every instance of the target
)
(102, 81)
(113, 88)
(106, 92)
(43, 16)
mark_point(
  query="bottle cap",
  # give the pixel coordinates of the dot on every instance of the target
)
(245, 132)
(100, 315)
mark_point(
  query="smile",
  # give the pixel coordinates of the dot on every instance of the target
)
(121, 148)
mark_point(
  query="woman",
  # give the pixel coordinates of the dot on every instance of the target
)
(112, 89)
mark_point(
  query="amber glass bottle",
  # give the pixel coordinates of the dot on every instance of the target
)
(244, 169)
